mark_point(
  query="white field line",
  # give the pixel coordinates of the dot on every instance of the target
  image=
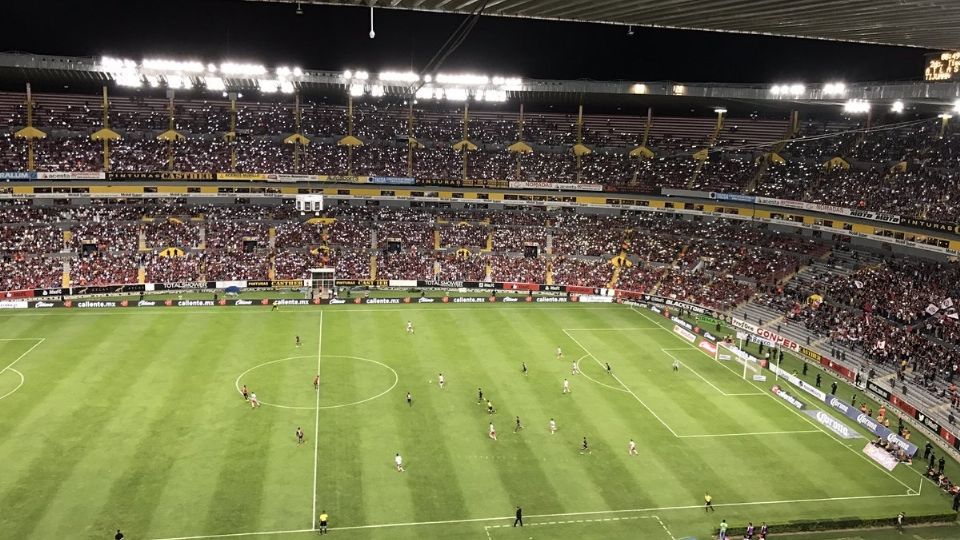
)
(538, 516)
(287, 310)
(28, 351)
(22, 339)
(316, 431)
(626, 329)
(22, 380)
(755, 433)
(635, 396)
(691, 370)
(594, 380)
(798, 413)
(236, 535)
(595, 520)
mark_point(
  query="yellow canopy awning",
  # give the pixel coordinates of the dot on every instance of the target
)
(520, 147)
(642, 152)
(30, 133)
(414, 143)
(297, 138)
(465, 145)
(350, 140)
(105, 134)
(170, 135)
(701, 155)
(581, 150)
(836, 163)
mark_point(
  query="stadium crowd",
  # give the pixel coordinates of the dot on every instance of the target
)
(922, 184)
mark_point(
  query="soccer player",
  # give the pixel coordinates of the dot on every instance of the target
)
(609, 371)
(574, 369)
(584, 447)
(763, 530)
(440, 380)
(566, 386)
(245, 392)
(409, 327)
(299, 436)
(632, 448)
(489, 407)
(517, 427)
(323, 521)
(708, 503)
(409, 399)
(399, 462)
(676, 364)
(119, 535)
(749, 533)
(559, 353)
(492, 433)
(275, 308)
(479, 395)
(553, 426)
(298, 342)
(316, 382)
(519, 518)
(723, 529)
(523, 368)
(254, 403)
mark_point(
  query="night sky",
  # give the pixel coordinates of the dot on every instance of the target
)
(336, 38)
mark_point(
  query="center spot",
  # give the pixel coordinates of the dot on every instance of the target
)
(344, 381)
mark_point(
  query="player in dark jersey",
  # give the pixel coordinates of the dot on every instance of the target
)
(299, 436)
(479, 396)
(518, 427)
(316, 382)
(298, 341)
(585, 448)
(409, 399)
(245, 392)
(523, 368)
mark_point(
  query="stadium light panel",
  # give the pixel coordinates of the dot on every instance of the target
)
(463, 79)
(361, 75)
(424, 92)
(283, 71)
(348, 74)
(153, 81)
(179, 81)
(212, 68)
(720, 110)
(428, 78)
(235, 68)
(456, 94)
(398, 76)
(638, 88)
(165, 65)
(492, 95)
(376, 90)
(268, 86)
(111, 64)
(944, 116)
(130, 80)
(297, 72)
(896, 106)
(214, 84)
(835, 89)
(856, 106)
(356, 90)
(286, 87)
(956, 106)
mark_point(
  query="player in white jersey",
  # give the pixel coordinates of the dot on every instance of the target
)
(254, 403)
(553, 426)
(574, 369)
(399, 462)
(559, 353)
(409, 327)
(631, 448)
(440, 380)
(676, 364)
(491, 432)
(566, 386)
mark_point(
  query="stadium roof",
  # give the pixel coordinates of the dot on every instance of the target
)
(914, 23)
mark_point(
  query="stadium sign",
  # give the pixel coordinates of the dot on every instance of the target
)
(871, 425)
(14, 304)
(684, 333)
(928, 225)
(786, 396)
(834, 425)
(881, 456)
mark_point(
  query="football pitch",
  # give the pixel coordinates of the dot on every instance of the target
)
(134, 420)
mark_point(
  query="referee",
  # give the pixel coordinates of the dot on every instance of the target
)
(323, 521)
(519, 517)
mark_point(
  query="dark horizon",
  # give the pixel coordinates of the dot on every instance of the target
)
(335, 38)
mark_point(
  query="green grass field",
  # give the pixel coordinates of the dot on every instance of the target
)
(133, 420)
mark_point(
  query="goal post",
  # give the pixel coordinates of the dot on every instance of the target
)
(729, 352)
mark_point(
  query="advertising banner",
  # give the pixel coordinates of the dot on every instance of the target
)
(516, 184)
(872, 425)
(393, 180)
(159, 175)
(786, 396)
(78, 175)
(828, 421)
(881, 456)
(684, 333)
(241, 176)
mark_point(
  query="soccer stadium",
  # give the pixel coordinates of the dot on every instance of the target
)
(480, 270)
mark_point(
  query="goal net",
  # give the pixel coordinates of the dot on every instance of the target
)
(728, 352)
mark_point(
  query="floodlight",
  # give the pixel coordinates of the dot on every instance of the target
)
(896, 106)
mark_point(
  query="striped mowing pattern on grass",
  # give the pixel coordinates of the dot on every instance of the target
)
(134, 422)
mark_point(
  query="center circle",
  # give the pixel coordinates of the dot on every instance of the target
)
(287, 383)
